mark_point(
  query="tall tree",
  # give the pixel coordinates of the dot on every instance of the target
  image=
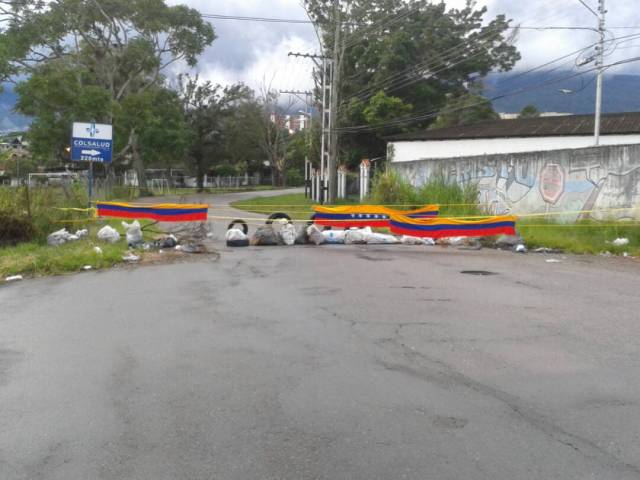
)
(208, 110)
(274, 134)
(121, 46)
(529, 111)
(413, 56)
(465, 109)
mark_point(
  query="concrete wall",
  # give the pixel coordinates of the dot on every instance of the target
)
(421, 150)
(568, 180)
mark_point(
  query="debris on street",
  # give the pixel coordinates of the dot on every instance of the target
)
(236, 238)
(315, 235)
(288, 234)
(357, 236)
(108, 234)
(193, 248)
(167, 242)
(508, 242)
(265, 236)
(410, 240)
(13, 278)
(553, 260)
(133, 233)
(548, 250)
(334, 236)
(58, 238)
(382, 238)
(521, 248)
(131, 258)
(620, 242)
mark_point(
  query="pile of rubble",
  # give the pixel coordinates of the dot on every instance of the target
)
(191, 239)
(283, 232)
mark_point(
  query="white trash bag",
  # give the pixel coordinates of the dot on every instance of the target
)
(134, 233)
(357, 235)
(58, 238)
(288, 234)
(315, 235)
(382, 238)
(82, 233)
(620, 242)
(108, 234)
(409, 240)
(235, 234)
(334, 236)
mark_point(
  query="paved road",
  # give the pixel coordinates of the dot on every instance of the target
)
(332, 362)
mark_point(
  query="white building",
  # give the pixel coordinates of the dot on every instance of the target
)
(514, 136)
(546, 165)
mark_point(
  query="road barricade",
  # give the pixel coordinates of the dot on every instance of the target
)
(163, 212)
(452, 227)
(359, 216)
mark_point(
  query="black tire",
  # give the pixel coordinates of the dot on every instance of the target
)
(245, 227)
(311, 221)
(238, 243)
(277, 216)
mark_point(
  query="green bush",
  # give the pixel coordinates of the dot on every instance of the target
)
(14, 229)
(43, 207)
(389, 188)
(224, 170)
(294, 178)
(454, 200)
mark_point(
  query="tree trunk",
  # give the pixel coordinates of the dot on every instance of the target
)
(138, 165)
(200, 173)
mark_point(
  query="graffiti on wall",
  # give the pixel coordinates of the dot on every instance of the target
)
(601, 182)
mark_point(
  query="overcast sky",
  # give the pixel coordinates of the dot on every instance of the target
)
(252, 51)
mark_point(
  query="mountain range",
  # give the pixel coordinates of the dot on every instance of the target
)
(553, 91)
(9, 120)
(550, 91)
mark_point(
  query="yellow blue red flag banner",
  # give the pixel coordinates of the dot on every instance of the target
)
(374, 216)
(453, 227)
(164, 212)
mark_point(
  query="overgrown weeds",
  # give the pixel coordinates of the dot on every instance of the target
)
(389, 188)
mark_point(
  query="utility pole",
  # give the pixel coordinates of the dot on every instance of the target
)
(600, 69)
(307, 122)
(326, 69)
(332, 163)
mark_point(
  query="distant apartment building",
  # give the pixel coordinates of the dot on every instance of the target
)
(513, 116)
(293, 123)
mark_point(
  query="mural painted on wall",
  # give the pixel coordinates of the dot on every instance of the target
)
(600, 179)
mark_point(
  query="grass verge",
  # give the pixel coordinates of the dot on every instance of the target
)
(293, 204)
(582, 237)
(35, 259)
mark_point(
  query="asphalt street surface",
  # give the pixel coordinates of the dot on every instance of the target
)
(330, 362)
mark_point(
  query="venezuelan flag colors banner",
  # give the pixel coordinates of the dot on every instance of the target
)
(451, 227)
(165, 212)
(349, 216)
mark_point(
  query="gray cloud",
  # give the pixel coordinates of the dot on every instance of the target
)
(253, 51)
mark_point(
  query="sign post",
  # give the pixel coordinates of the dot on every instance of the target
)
(91, 142)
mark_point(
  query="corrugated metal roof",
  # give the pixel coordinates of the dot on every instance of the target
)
(569, 125)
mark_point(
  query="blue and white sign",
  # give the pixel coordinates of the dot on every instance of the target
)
(92, 142)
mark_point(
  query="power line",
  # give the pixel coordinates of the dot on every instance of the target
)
(391, 81)
(588, 7)
(434, 113)
(254, 19)
(397, 83)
